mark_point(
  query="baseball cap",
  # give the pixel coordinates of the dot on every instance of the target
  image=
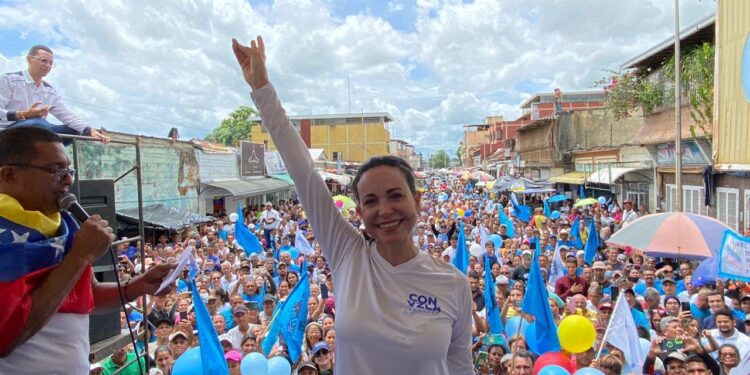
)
(164, 320)
(225, 337)
(580, 253)
(502, 280)
(598, 265)
(240, 308)
(526, 252)
(747, 317)
(233, 355)
(622, 257)
(676, 356)
(606, 306)
(668, 280)
(176, 334)
(305, 365)
(320, 346)
(269, 298)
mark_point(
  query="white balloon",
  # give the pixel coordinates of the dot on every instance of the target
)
(476, 250)
(233, 217)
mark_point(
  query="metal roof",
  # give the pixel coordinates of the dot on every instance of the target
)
(538, 96)
(695, 34)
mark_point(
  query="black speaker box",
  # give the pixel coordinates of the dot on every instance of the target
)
(98, 197)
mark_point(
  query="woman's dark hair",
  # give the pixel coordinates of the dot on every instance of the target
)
(389, 161)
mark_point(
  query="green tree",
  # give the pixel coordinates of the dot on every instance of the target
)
(697, 76)
(440, 159)
(234, 128)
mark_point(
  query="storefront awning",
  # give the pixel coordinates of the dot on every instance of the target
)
(573, 178)
(244, 188)
(608, 175)
(159, 215)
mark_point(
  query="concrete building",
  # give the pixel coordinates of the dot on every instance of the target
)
(657, 133)
(350, 137)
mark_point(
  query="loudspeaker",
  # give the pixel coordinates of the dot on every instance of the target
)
(97, 197)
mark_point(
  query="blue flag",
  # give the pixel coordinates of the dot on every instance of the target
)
(522, 212)
(538, 244)
(581, 192)
(212, 354)
(575, 232)
(504, 220)
(543, 338)
(290, 319)
(547, 211)
(592, 243)
(247, 240)
(490, 303)
(461, 260)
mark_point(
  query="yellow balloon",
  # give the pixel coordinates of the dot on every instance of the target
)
(576, 334)
(460, 212)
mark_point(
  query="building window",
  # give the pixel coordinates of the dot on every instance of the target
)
(639, 199)
(728, 206)
(692, 199)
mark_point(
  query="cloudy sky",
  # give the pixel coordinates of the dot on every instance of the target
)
(146, 66)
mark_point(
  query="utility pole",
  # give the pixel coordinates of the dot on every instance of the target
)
(677, 111)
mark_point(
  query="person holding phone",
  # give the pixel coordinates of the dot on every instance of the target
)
(400, 311)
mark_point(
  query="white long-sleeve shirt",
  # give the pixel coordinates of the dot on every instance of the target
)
(18, 92)
(414, 318)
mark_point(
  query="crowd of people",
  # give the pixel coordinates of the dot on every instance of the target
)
(242, 291)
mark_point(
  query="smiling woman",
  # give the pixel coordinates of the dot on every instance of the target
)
(399, 311)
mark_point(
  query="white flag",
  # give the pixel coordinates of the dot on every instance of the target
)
(622, 333)
(300, 242)
(742, 368)
(484, 236)
(557, 269)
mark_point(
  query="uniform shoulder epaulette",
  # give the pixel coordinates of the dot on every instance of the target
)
(20, 74)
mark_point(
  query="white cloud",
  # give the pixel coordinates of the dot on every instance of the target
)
(171, 60)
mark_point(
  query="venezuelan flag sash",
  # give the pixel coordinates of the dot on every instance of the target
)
(29, 251)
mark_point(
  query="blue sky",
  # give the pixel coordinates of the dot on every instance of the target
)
(142, 66)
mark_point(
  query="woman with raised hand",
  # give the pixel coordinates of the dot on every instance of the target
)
(399, 311)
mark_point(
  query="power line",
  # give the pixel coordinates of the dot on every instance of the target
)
(131, 114)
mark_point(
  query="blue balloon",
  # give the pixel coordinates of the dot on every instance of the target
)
(511, 326)
(553, 370)
(602, 200)
(279, 366)
(253, 364)
(496, 240)
(555, 215)
(189, 363)
(294, 253)
(467, 213)
(589, 371)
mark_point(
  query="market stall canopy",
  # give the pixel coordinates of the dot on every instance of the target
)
(573, 178)
(244, 188)
(608, 175)
(520, 185)
(159, 215)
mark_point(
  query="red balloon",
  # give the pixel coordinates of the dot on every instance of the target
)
(552, 358)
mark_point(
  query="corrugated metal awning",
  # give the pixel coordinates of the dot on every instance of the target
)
(608, 175)
(573, 178)
(244, 188)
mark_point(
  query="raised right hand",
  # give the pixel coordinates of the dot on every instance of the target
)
(93, 239)
(252, 60)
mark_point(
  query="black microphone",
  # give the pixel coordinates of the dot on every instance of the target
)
(68, 202)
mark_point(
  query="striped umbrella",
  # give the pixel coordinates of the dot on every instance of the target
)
(672, 235)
